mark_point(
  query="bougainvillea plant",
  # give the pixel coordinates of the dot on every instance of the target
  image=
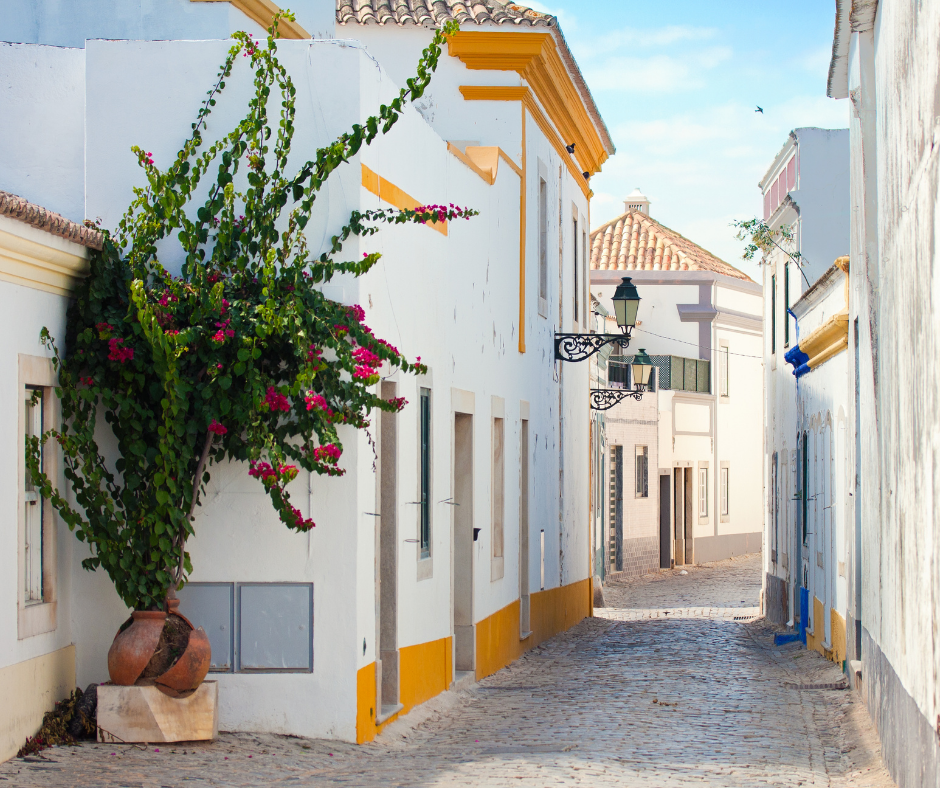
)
(238, 357)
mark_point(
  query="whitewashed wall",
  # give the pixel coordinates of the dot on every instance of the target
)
(453, 301)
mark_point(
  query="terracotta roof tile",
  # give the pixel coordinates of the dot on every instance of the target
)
(30, 213)
(436, 12)
(635, 242)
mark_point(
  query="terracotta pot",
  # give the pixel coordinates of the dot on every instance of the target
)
(134, 646)
(191, 668)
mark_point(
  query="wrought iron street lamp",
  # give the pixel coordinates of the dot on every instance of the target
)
(578, 347)
(642, 368)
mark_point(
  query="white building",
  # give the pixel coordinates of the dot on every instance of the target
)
(389, 618)
(805, 189)
(893, 412)
(817, 469)
(699, 318)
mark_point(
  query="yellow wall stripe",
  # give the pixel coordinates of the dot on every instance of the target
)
(390, 193)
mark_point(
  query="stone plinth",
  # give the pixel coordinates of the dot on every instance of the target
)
(145, 714)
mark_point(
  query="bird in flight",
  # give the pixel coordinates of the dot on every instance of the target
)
(760, 110)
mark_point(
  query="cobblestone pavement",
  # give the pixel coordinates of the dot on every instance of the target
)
(656, 703)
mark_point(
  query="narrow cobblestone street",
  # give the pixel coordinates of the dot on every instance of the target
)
(672, 684)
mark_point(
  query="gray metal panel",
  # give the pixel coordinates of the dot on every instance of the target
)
(212, 607)
(275, 627)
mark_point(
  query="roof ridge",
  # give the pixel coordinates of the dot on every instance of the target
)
(671, 238)
(22, 210)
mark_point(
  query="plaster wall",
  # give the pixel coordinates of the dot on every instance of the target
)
(24, 311)
(43, 150)
(896, 193)
(70, 24)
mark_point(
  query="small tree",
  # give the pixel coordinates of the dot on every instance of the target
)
(761, 237)
(239, 357)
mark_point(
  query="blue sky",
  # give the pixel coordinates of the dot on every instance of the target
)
(677, 83)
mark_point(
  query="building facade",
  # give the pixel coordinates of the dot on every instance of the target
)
(804, 193)
(699, 319)
(391, 612)
(885, 62)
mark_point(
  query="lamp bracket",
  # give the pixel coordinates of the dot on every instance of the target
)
(605, 399)
(578, 347)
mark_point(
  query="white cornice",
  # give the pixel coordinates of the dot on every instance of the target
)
(34, 258)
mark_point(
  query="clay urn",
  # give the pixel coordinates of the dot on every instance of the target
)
(134, 645)
(160, 647)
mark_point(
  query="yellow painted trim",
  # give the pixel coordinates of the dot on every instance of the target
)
(484, 160)
(36, 259)
(424, 670)
(815, 640)
(29, 689)
(523, 94)
(830, 338)
(523, 187)
(390, 193)
(493, 92)
(551, 611)
(535, 57)
(262, 12)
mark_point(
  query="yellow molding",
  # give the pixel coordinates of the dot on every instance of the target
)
(33, 258)
(493, 92)
(522, 217)
(262, 12)
(524, 94)
(535, 57)
(484, 161)
(390, 193)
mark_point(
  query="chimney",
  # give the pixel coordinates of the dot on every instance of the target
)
(637, 201)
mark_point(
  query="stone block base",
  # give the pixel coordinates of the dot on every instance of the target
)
(145, 714)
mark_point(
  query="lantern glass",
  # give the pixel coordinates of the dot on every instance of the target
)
(642, 369)
(626, 303)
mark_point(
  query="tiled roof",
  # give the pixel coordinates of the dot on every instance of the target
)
(437, 12)
(635, 242)
(30, 213)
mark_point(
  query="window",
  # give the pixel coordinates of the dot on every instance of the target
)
(36, 519)
(642, 472)
(584, 261)
(543, 246)
(33, 506)
(499, 472)
(724, 489)
(425, 471)
(773, 314)
(703, 492)
(786, 305)
(723, 359)
(577, 263)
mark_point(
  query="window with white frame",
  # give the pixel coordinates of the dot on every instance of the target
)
(33, 504)
(703, 492)
(36, 520)
(725, 504)
(723, 367)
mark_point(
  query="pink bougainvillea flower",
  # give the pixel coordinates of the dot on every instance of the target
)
(275, 400)
(118, 353)
(217, 428)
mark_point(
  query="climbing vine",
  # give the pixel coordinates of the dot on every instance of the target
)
(240, 356)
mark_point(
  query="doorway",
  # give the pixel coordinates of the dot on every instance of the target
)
(665, 522)
(524, 601)
(464, 635)
(387, 680)
(678, 493)
(616, 509)
(689, 522)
